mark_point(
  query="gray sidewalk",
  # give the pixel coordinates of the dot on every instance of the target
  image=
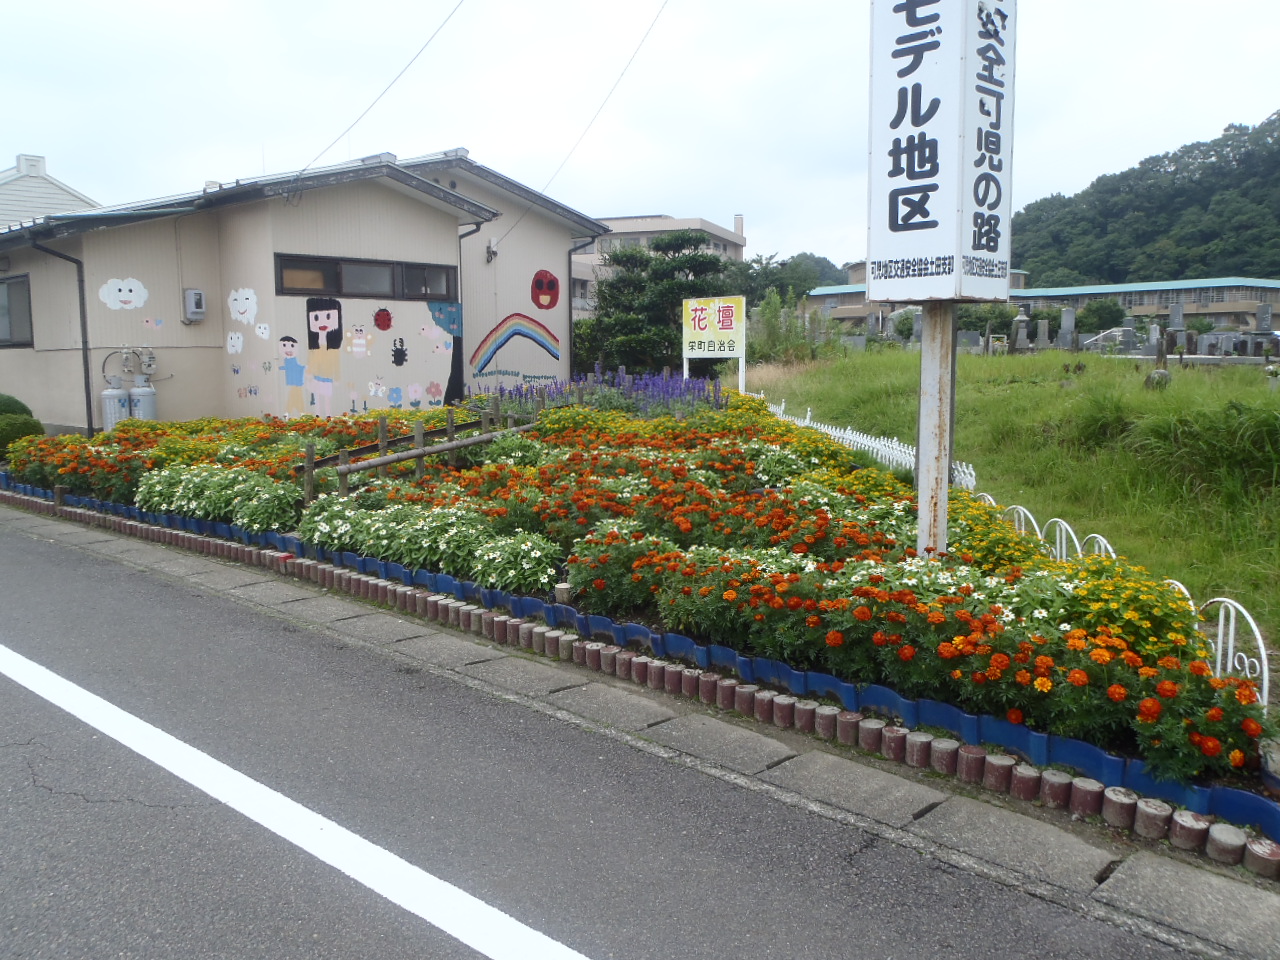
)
(1181, 899)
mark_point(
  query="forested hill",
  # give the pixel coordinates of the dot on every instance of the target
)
(1206, 210)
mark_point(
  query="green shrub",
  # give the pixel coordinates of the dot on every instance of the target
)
(10, 404)
(14, 426)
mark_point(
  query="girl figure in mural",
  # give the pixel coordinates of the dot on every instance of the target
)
(324, 316)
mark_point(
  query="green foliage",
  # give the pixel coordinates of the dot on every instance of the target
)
(10, 404)
(1208, 209)
(1098, 315)
(795, 277)
(973, 316)
(638, 306)
(14, 426)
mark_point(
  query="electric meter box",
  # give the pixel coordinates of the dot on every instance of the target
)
(192, 306)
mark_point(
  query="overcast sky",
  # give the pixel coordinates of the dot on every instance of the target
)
(730, 106)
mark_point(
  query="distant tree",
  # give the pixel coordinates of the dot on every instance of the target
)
(801, 273)
(639, 305)
(1098, 315)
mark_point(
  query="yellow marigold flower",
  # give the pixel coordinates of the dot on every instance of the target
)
(1043, 684)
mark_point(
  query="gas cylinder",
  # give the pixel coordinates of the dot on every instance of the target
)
(115, 403)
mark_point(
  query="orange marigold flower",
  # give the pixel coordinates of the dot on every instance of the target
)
(599, 584)
(937, 616)
(947, 650)
(1210, 746)
(1213, 715)
(1246, 695)
(1117, 693)
(813, 620)
(1100, 656)
(1043, 684)
(1000, 661)
(862, 613)
(1078, 678)
(834, 638)
(730, 595)
(1236, 757)
(1131, 658)
(1014, 715)
(1075, 643)
(1023, 677)
(906, 652)
(979, 677)
(1251, 727)
(1146, 673)
(1167, 689)
(1149, 710)
(957, 674)
(1169, 663)
(1217, 683)
(1199, 668)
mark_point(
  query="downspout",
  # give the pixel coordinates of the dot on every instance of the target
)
(84, 332)
(572, 250)
(455, 389)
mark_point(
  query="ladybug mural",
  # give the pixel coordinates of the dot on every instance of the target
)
(545, 290)
(382, 319)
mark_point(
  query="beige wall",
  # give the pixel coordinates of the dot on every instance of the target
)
(497, 294)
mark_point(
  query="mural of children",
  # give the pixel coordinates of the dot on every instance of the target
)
(294, 378)
(324, 316)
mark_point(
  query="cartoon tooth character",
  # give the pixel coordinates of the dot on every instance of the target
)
(295, 378)
(243, 304)
(263, 331)
(126, 294)
(324, 317)
(235, 341)
(360, 342)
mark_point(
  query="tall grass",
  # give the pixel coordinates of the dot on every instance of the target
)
(1185, 481)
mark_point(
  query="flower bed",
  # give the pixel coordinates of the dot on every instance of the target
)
(750, 534)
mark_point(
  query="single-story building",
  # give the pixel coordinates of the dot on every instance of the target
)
(372, 284)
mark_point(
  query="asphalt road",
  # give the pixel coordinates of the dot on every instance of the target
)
(608, 850)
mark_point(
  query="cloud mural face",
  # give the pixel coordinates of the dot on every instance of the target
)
(126, 294)
(243, 304)
(263, 331)
(235, 341)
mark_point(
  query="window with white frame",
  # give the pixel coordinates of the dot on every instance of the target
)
(15, 312)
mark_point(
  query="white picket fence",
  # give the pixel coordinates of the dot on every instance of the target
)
(1227, 627)
(891, 452)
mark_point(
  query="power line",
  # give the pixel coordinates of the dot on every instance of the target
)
(591, 122)
(393, 82)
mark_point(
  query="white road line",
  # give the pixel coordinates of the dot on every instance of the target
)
(475, 923)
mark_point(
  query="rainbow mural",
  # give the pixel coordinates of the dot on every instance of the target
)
(515, 325)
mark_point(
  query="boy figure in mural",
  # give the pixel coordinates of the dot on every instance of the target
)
(294, 378)
(324, 316)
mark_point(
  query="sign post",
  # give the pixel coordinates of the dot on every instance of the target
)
(939, 206)
(716, 328)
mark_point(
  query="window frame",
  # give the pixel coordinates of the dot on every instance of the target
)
(399, 289)
(30, 341)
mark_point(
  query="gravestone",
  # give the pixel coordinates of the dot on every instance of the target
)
(1042, 333)
(970, 341)
(1129, 335)
(1176, 321)
(1020, 341)
(1263, 318)
(1067, 329)
(1152, 347)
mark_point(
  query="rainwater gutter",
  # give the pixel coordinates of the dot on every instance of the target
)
(84, 332)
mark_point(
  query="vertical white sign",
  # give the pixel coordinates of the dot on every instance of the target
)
(940, 149)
